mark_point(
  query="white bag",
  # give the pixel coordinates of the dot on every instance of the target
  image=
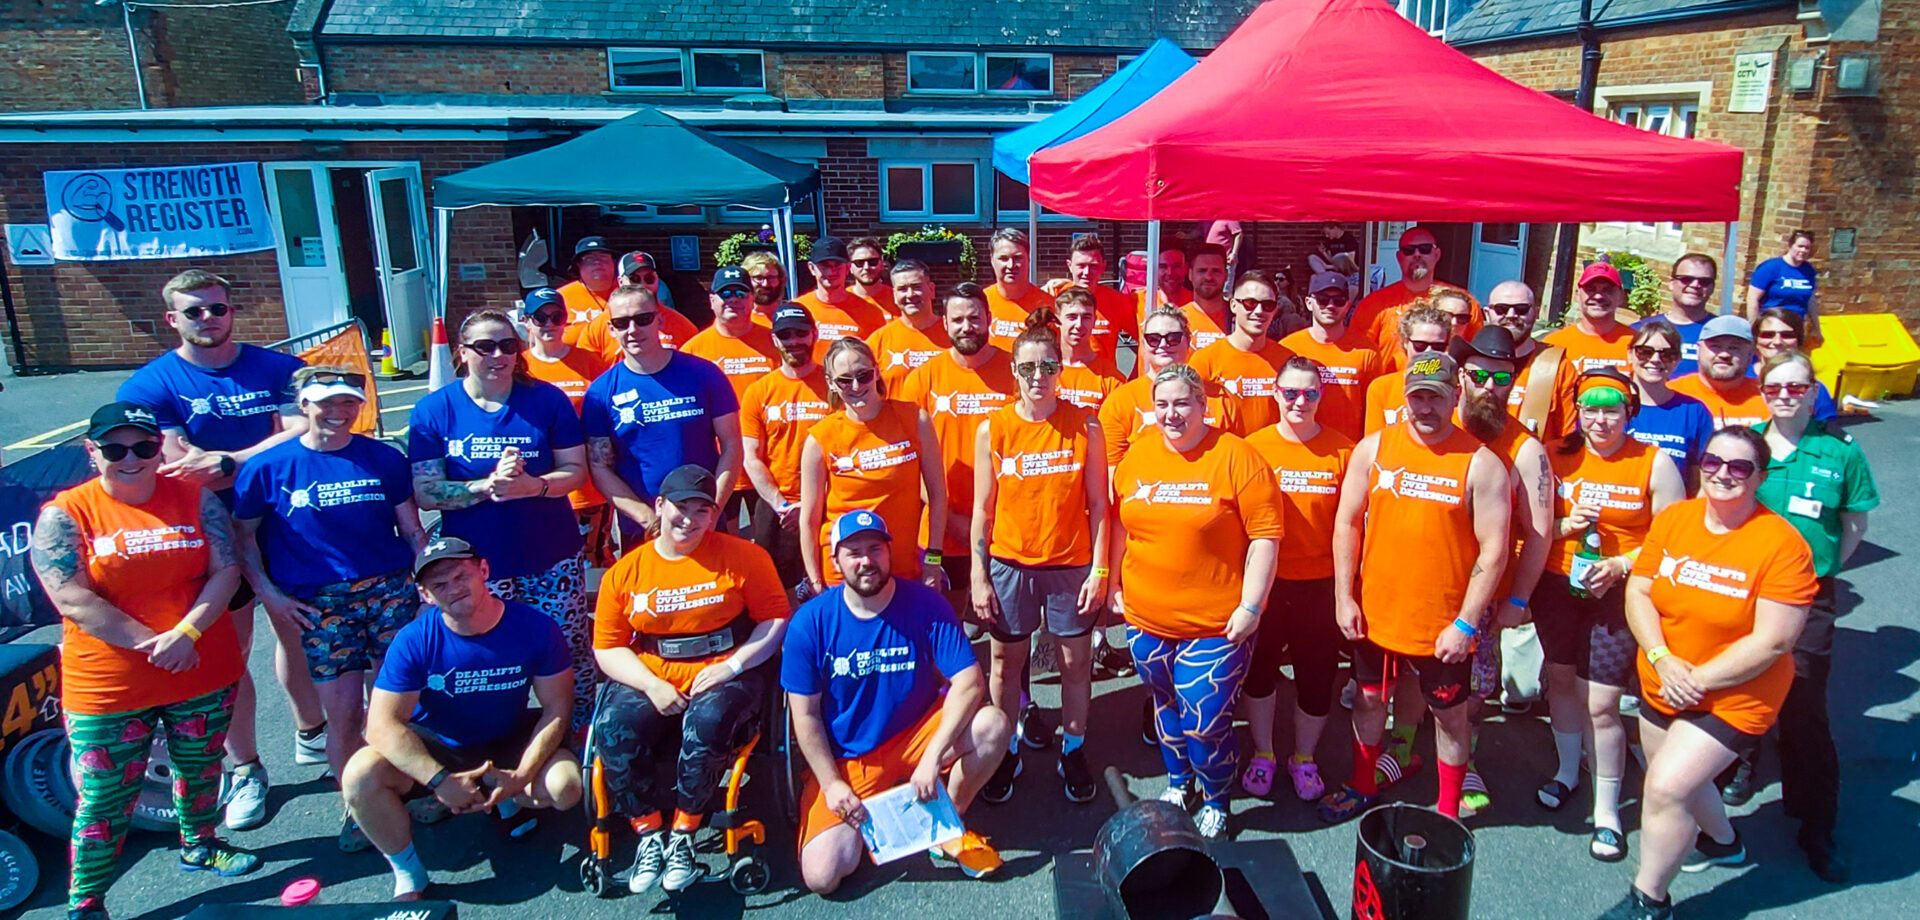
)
(1520, 663)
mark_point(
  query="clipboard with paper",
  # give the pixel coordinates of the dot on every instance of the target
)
(899, 824)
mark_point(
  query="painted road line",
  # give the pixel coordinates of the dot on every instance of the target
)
(412, 389)
(50, 438)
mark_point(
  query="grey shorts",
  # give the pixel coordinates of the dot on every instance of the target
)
(1035, 596)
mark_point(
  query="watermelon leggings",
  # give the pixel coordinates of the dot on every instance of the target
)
(111, 755)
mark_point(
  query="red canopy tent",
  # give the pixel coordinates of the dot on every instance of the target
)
(1344, 110)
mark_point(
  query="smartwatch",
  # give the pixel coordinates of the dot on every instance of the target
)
(227, 465)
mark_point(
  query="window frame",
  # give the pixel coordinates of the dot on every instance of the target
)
(690, 73)
(988, 90)
(1409, 9)
(650, 214)
(979, 73)
(679, 53)
(1672, 111)
(889, 214)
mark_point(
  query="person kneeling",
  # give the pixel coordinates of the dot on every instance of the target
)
(864, 665)
(449, 712)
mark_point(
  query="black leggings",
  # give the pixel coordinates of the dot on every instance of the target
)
(630, 737)
(1299, 618)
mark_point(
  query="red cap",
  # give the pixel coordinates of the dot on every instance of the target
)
(1600, 270)
(299, 891)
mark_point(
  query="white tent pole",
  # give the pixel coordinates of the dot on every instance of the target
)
(792, 252)
(1726, 267)
(443, 218)
(1153, 263)
(1033, 241)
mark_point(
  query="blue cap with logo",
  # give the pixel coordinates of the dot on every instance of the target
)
(854, 523)
(540, 297)
(731, 277)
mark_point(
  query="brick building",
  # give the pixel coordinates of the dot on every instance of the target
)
(63, 55)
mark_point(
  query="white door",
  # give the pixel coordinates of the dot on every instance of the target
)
(313, 284)
(1497, 256)
(1386, 258)
(400, 246)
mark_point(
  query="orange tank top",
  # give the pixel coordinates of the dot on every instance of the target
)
(1419, 546)
(1507, 448)
(1621, 485)
(149, 560)
(874, 465)
(1040, 487)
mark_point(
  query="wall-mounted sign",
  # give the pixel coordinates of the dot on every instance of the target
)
(1752, 81)
(162, 212)
(29, 244)
(685, 251)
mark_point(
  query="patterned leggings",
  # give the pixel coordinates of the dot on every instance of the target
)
(112, 753)
(561, 593)
(1194, 683)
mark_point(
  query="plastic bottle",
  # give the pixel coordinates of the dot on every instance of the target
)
(1586, 558)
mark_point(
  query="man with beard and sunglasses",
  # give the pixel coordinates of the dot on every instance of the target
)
(1379, 313)
(916, 335)
(653, 412)
(884, 690)
(867, 273)
(776, 413)
(218, 403)
(1423, 328)
(1247, 363)
(1542, 410)
(1346, 357)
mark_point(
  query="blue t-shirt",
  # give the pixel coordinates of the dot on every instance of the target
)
(1785, 285)
(1689, 346)
(520, 537)
(878, 677)
(473, 689)
(659, 421)
(326, 516)
(228, 408)
(1680, 429)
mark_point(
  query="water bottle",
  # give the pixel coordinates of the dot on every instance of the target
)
(1586, 558)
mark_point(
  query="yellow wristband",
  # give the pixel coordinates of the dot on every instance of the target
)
(1656, 653)
(1101, 571)
(186, 629)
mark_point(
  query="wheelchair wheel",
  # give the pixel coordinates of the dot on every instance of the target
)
(748, 875)
(789, 765)
(595, 877)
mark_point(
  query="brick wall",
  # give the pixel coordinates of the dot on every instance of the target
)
(226, 56)
(830, 76)
(60, 55)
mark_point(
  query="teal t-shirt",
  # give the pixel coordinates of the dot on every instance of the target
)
(1826, 476)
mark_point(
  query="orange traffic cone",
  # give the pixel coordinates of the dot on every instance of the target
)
(387, 370)
(439, 357)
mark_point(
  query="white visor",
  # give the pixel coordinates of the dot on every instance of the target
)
(315, 392)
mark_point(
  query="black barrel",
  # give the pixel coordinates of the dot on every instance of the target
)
(1413, 864)
(1152, 864)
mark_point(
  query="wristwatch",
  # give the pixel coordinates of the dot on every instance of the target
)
(227, 465)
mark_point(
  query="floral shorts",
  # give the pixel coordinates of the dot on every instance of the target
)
(358, 620)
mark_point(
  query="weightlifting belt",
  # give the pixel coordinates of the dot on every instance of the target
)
(699, 645)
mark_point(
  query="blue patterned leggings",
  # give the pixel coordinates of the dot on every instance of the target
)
(561, 593)
(1194, 683)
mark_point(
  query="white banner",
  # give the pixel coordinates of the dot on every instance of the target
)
(163, 212)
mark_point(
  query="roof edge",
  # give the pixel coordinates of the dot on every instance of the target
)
(305, 22)
(1725, 8)
(338, 40)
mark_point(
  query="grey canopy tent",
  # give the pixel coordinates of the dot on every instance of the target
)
(647, 158)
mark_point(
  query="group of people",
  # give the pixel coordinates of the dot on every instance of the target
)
(829, 497)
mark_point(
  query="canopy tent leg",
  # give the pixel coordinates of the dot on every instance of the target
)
(1726, 268)
(1153, 264)
(554, 225)
(442, 219)
(1033, 242)
(789, 252)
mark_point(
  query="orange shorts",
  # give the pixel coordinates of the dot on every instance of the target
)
(871, 773)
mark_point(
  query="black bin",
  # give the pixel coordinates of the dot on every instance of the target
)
(1413, 864)
(1152, 864)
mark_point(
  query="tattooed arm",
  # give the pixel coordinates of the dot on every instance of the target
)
(62, 569)
(603, 463)
(435, 492)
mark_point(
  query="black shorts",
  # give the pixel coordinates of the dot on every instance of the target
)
(1716, 728)
(1567, 626)
(959, 569)
(243, 597)
(1444, 685)
(504, 751)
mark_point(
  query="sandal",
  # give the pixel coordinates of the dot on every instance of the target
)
(1257, 778)
(1388, 770)
(1307, 784)
(1344, 804)
(1554, 795)
(1608, 845)
(352, 838)
(1473, 795)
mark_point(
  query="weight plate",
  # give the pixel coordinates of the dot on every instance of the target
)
(49, 814)
(65, 782)
(12, 779)
(19, 872)
(26, 778)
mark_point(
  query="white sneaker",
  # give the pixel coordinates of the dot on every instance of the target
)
(649, 862)
(1175, 795)
(1212, 822)
(247, 797)
(308, 752)
(682, 868)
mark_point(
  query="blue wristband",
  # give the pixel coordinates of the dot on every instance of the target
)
(1519, 602)
(1465, 627)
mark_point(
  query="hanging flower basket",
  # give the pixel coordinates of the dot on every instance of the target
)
(736, 247)
(934, 246)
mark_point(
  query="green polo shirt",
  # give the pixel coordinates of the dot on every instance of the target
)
(1824, 477)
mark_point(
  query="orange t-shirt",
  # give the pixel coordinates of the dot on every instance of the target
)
(1742, 406)
(1128, 412)
(876, 466)
(1088, 385)
(1189, 519)
(597, 336)
(1586, 352)
(1378, 314)
(855, 316)
(1419, 499)
(958, 399)
(1010, 314)
(1386, 401)
(1253, 376)
(572, 372)
(1622, 485)
(1308, 476)
(744, 359)
(1561, 413)
(880, 296)
(149, 560)
(1705, 586)
(778, 411)
(1040, 512)
(1204, 328)
(900, 349)
(1113, 313)
(645, 593)
(583, 307)
(1346, 367)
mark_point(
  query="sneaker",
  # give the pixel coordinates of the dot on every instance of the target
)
(247, 797)
(1076, 776)
(1212, 822)
(682, 869)
(1035, 733)
(309, 751)
(1739, 787)
(1257, 778)
(91, 909)
(1149, 726)
(218, 857)
(352, 838)
(649, 862)
(1637, 906)
(1307, 784)
(1179, 796)
(999, 787)
(1114, 661)
(972, 853)
(1708, 853)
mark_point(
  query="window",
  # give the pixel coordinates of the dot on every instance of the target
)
(1673, 118)
(961, 72)
(917, 189)
(664, 214)
(1011, 201)
(942, 72)
(729, 71)
(673, 70)
(1430, 15)
(645, 69)
(1021, 74)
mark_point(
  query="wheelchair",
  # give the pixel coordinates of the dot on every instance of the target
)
(772, 753)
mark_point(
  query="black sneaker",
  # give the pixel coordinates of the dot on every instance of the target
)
(1739, 786)
(1149, 727)
(1637, 906)
(1114, 661)
(1708, 853)
(1077, 777)
(1035, 733)
(1824, 857)
(999, 787)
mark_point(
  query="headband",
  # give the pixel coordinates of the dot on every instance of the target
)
(1602, 391)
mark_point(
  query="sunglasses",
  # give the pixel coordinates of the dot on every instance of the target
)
(637, 320)
(1480, 376)
(855, 380)
(1772, 334)
(1648, 353)
(489, 347)
(1335, 299)
(1164, 339)
(1425, 249)
(548, 318)
(791, 335)
(1795, 390)
(1740, 470)
(1705, 281)
(644, 277)
(145, 450)
(1508, 309)
(1251, 304)
(735, 294)
(866, 262)
(198, 312)
(1291, 395)
(329, 378)
(1034, 370)
(1419, 347)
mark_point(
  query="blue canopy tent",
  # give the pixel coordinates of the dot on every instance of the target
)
(1162, 63)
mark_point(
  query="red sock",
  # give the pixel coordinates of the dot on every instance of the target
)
(1451, 775)
(645, 824)
(1364, 756)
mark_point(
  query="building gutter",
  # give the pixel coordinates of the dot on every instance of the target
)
(1664, 17)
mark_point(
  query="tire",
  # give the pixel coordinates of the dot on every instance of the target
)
(789, 766)
(594, 876)
(748, 875)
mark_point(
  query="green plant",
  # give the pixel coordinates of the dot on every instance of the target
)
(732, 249)
(932, 234)
(1644, 295)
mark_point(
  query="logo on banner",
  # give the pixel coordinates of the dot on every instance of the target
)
(165, 212)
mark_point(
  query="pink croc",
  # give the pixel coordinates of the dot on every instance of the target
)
(1306, 780)
(1257, 778)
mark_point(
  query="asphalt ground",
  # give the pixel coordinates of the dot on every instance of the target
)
(1531, 863)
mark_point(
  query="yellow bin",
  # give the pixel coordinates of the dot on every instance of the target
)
(1868, 356)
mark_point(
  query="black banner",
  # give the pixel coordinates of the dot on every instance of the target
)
(25, 487)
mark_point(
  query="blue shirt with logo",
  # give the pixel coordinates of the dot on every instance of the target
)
(226, 408)
(524, 536)
(473, 689)
(659, 421)
(1689, 346)
(1785, 285)
(876, 677)
(1680, 429)
(326, 516)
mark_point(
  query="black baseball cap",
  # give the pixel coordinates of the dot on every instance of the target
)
(829, 249)
(442, 549)
(591, 244)
(687, 482)
(1490, 342)
(121, 415)
(635, 261)
(791, 315)
(731, 277)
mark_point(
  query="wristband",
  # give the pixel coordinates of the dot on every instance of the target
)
(1519, 602)
(933, 557)
(187, 629)
(1656, 653)
(433, 785)
(543, 488)
(731, 666)
(1466, 627)
(1243, 605)
(1101, 571)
